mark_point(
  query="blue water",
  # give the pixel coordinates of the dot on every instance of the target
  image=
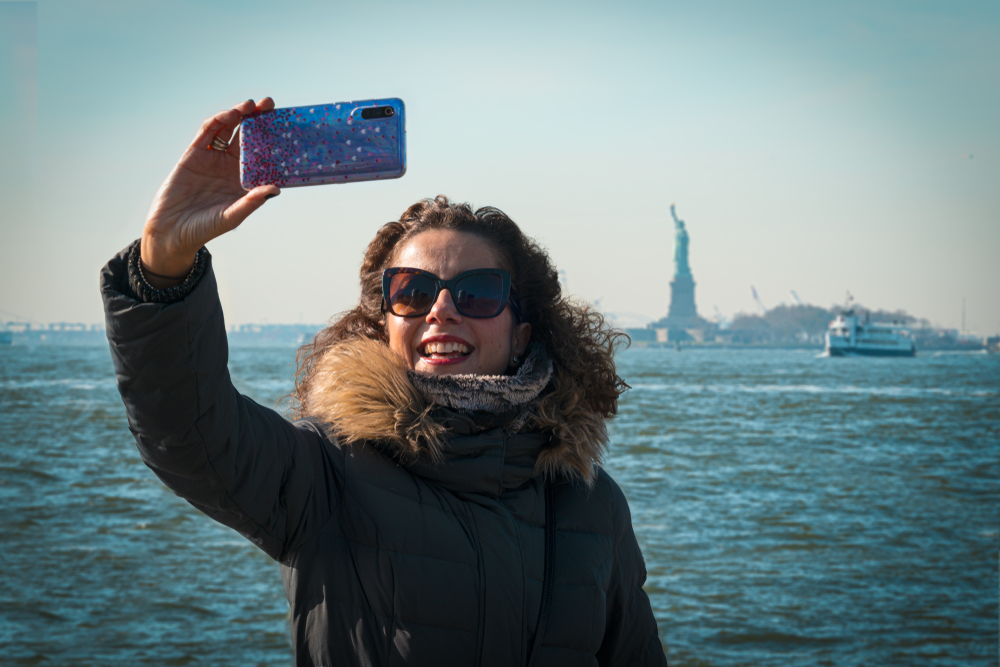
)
(792, 510)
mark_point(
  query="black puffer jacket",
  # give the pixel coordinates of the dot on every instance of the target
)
(385, 560)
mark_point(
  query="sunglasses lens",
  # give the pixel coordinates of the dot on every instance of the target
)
(479, 295)
(410, 294)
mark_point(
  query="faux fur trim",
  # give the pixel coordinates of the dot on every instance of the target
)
(579, 440)
(362, 391)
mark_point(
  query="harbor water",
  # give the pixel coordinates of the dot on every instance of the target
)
(792, 510)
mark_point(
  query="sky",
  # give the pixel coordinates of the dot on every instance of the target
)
(821, 147)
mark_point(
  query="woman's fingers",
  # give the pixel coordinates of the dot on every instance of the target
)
(223, 123)
(214, 126)
(247, 204)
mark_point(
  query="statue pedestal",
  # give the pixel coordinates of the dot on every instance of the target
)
(682, 322)
(683, 314)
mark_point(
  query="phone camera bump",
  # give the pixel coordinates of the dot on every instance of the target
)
(377, 112)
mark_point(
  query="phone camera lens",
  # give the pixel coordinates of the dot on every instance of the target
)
(388, 111)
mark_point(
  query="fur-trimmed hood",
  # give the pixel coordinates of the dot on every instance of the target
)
(362, 392)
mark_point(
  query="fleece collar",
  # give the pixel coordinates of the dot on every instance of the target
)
(491, 401)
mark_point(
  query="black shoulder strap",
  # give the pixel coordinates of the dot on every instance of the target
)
(549, 575)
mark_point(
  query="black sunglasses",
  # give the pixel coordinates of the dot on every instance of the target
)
(479, 293)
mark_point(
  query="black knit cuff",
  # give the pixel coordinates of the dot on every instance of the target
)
(149, 294)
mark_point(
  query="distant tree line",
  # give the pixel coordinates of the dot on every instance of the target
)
(807, 323)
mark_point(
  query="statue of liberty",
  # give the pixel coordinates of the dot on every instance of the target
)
(681, 267)
(682, 321)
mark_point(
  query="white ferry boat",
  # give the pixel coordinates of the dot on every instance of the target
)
(849, 336)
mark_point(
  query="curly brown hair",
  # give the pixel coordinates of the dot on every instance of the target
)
(577, 338)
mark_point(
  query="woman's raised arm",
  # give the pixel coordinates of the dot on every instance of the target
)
(241, 463)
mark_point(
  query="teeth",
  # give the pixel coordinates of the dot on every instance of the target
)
(445, 348)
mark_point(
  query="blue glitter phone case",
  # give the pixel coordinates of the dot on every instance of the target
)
(325, 143)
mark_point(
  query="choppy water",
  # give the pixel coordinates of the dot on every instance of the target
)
(792, 510)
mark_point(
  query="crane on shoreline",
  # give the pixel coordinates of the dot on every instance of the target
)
(756, 298)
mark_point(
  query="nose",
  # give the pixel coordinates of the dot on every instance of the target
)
(444, 309)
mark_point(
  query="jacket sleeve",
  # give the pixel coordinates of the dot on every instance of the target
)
(242, 464)
(630, 636)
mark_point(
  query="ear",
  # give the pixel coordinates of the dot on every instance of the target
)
(520, 338)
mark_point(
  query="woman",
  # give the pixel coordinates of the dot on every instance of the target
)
(439, 501)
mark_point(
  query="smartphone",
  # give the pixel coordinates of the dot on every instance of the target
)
(324, 143)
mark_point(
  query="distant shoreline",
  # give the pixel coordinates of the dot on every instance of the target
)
(296, 335)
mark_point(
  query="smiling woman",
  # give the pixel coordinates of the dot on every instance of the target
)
(440, 499)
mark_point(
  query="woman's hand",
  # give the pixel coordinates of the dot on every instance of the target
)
(201, 199)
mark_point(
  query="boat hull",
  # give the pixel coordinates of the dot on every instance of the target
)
(868, 352)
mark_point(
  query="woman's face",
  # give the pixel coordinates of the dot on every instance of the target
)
(484, 347)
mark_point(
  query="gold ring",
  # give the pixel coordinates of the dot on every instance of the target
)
(219, 144)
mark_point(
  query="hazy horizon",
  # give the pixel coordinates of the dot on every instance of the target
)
(819, 148)
(624, 320)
